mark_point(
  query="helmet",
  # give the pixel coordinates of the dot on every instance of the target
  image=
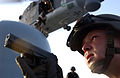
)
(109, 22)
(7, 56)
(88, 23)
(73, 68)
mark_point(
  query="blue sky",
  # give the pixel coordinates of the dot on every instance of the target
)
(58, 38)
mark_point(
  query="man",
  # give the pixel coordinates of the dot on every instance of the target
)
(46, 6)
(97, 39)
(72, 74)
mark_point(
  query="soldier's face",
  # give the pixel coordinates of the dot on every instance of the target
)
(94, 47)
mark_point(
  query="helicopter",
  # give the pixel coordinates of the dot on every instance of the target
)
(63, 12)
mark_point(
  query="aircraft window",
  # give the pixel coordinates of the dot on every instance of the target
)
(31, 6)
(70, 6)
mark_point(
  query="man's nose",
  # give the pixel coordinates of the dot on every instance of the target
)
(86, 46)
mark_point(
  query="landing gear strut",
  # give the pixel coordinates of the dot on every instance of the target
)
(67, 27)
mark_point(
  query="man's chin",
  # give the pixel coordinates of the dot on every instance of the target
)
(96, 69)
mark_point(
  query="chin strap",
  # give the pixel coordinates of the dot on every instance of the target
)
(110, 51)
(104, 62)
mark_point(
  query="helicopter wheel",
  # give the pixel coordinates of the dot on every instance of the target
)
(68, 28)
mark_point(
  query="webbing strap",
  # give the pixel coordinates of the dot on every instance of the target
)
(107, 61)
(117, 50)
(110, 50)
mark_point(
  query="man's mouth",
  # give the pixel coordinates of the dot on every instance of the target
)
(89, 57)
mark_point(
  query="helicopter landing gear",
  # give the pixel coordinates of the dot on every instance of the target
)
(68, 28)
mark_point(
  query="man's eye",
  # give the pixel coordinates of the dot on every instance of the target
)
(93, 37)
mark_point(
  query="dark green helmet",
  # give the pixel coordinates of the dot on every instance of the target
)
(88, 23)
(73, 68)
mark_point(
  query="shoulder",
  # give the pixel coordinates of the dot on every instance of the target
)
(69, 73)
